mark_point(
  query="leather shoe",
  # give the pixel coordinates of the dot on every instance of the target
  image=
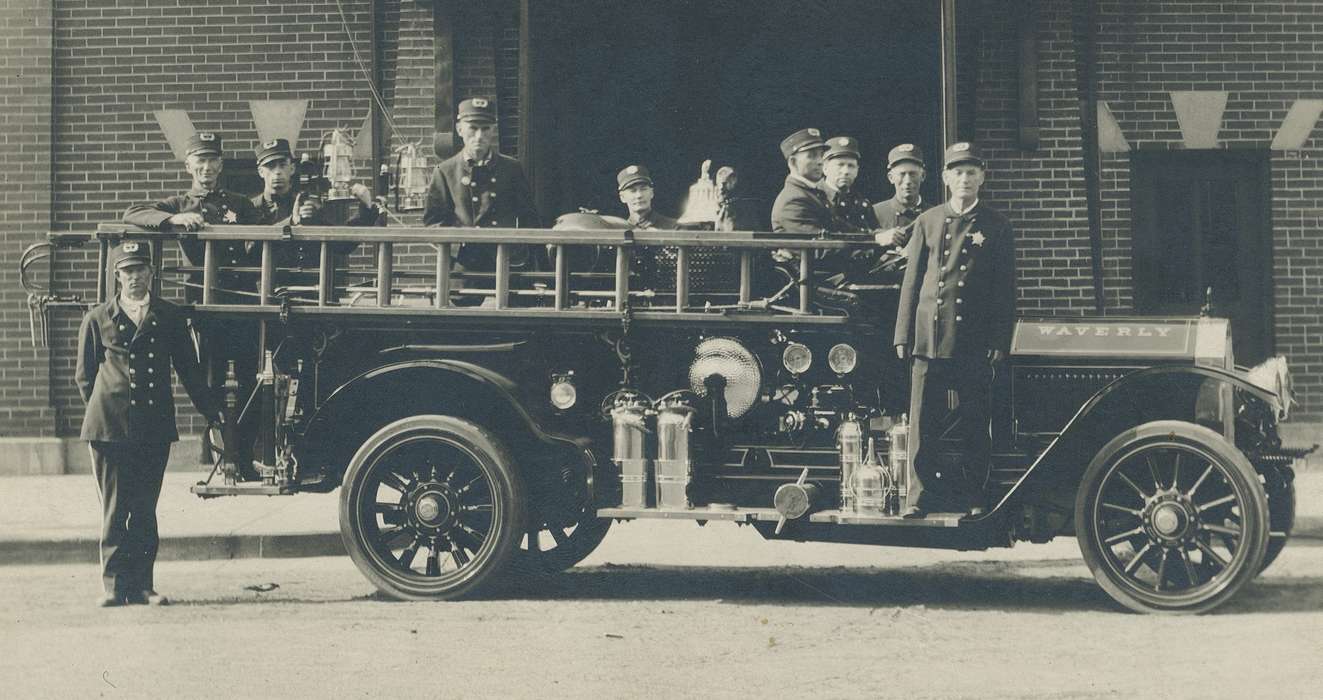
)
(150, 598)
(109, 600)
(914, 513)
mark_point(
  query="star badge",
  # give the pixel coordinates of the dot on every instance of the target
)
(230, 217)
(978, 238)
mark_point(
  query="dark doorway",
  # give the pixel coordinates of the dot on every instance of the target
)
(673, 82)
(1201, 222)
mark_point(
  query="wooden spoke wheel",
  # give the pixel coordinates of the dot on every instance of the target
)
(1171, 518)
(562, 527)
(431, 508)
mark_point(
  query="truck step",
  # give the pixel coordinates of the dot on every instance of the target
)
(205, 490)
(749, 515)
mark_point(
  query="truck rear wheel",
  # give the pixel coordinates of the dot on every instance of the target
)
(431, 508)
(1171, 518)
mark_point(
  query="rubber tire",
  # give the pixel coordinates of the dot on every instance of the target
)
(1255, 517)
(582, 542)
(1281, 518)
(507, 492)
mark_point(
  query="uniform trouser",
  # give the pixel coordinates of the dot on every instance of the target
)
(949, 420)
(128, 477)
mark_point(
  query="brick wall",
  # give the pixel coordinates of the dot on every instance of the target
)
(25, 143)
(118, 62)
(1263, 54)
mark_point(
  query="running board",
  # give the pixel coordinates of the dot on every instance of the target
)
(205, 490)
(750, 515)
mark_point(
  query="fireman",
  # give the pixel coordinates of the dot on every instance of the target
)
(282, 202)
(802, 206)
(955, 319)
(126, 347)
(851, 211)
(905, 172)
(634, 184)
(479, 186)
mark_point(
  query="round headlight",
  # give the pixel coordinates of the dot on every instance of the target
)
(563, 394)
(797, 358)
(842, 359)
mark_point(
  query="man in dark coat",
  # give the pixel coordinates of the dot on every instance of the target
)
(802, 206)
(905, 172)
(479, 187)
(126, 347)
(956, 317)
(851, 211)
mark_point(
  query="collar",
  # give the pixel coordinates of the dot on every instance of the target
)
(803, 181)
(649, 219)
(901, 206)
(278, 198)
(117, 307)
(472, 163)
(962, 212)
(202, 193)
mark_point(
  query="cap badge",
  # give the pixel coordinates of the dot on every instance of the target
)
(480, 102)
(840, 142)
(906, 147)
(205, 136)
(631, 170)
(131, 247)
(815, 133)
(271, 144)
(962, 146)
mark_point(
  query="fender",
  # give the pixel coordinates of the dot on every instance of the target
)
(387, 392)
(1055, 474)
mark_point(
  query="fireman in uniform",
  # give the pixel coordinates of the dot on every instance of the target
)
(851, 211)
(281, 203)
(126, 347)
(802, 206)
(634, 184)
(479, 186)
(956, 316)
(206, 203)
(905, 171)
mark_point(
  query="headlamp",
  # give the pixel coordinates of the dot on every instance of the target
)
(563, 392)
(797, 358)
(842, 358)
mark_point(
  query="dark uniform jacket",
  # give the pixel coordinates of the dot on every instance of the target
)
(851, 212)
(493, 194)
(958, 297)
(123, 373)
(893, 214)
(801, 208)
(217, 207)
(277, 210)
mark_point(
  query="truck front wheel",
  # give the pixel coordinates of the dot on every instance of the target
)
(431, 508)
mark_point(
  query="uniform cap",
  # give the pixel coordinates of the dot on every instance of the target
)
(203, 142)
(478, 109)
(802, 140)
(274, 149)
(905, 152)
(631, 175)
(130, 253)
(842, 146)
(962, 152)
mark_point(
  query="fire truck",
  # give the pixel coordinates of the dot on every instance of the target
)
(488, 424)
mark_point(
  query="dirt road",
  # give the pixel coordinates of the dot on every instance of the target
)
(1027, 622)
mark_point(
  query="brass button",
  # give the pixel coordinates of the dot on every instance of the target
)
(958, 318)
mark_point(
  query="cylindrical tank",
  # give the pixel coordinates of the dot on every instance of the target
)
(869, 486)
(850, 443)
(674, 461)
(900, 464)
(629, 424)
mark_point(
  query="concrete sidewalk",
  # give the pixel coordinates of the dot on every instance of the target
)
(56, 519)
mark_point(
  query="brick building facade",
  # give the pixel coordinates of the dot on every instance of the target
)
(85, 79)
